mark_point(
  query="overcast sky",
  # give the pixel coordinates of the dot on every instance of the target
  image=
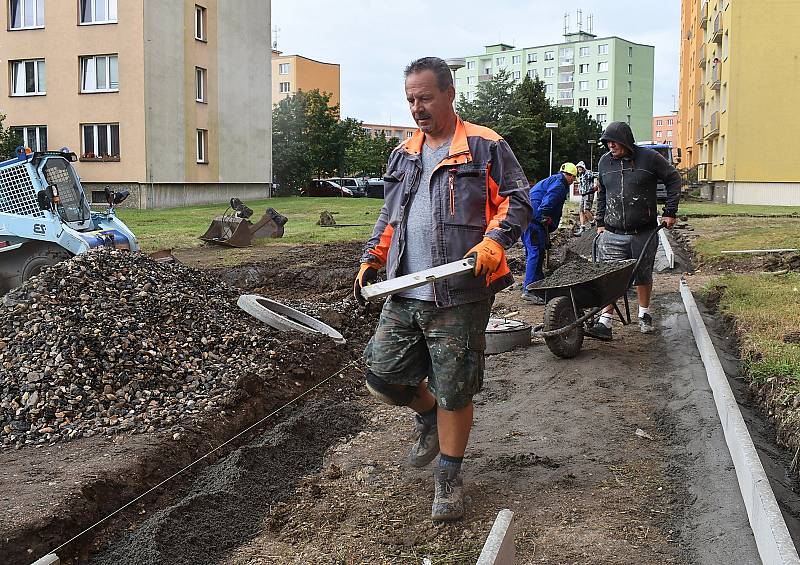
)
(373, 40)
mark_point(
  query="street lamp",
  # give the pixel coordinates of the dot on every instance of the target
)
(455, 63)
(551, 126)
(592, 143)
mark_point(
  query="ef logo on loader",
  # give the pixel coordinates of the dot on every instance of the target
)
(39, 229)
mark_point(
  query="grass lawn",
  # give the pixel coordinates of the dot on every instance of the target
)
(726, 233)
(180, 228)
(767, 310)
(694, 208)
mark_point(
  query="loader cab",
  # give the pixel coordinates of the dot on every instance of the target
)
(70, 203)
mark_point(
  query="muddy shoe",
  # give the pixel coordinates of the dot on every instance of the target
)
(448, 503)
(599, 331)
(532, 298)
(426, 448)
(646, 324)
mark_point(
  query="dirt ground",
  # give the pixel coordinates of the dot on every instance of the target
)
(554, 440)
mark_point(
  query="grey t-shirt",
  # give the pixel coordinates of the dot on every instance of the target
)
(418, 253)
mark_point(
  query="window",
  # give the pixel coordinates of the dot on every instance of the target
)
(566, 77)
(533, 57)
(28, 78)
(630, 69)
(669, 143)
(602, 100)
(583, 69)
(470, 65)
(669, 121)
(409, 134)
(630, 86)
(628, 119)
(487, 70)
(470, 80)
(549, 72)
(583, 85)
(283, 69)
(285, 87)
(549, 55)
(602, 84)
(98, 11)
(533, 74)
(669, 133)
(601, 118)
(565, 94)
(100, 142)
(99, 73)
(200, 84)
(517, 75)
(583, 102)
(202, 146)
(630, 51)
(199, 23)
(659, 122)
(501, 61)
(515, 59)
(548, 88)
(629, 102)
(659, 133)
(602, 67)
(26, 14)
(583, 52)
(602, 49)
(34, 137)
(566, 54)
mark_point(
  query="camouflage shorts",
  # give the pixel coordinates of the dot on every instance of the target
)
(416, 340)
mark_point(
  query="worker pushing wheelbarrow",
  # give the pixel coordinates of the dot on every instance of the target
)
(579, 290)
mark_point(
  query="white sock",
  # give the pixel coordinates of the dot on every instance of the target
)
(643, 311)
(605, 319)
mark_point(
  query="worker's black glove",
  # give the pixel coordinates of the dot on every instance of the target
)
(367, 274)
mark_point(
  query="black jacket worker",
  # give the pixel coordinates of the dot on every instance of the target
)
(627, 214)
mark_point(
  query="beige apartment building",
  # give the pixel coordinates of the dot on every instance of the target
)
(401, 133)
(166, 98)
(291, 73)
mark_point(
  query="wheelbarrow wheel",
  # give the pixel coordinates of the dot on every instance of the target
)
(558, 313)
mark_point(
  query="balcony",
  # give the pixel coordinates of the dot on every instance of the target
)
(701, 99)
(716, 77)
(698, 138)
(716, 34)
(701, 56)
(713, 125)
(484, 78)
(704, 15)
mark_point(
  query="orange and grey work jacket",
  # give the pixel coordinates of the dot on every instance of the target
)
(478, 190)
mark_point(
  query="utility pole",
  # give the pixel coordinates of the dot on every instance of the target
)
(551, 126)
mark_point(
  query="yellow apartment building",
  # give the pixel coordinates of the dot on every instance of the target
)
(291, 73)
(165, 98)
(738, 114)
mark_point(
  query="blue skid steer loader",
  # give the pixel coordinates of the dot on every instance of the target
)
(45, 217)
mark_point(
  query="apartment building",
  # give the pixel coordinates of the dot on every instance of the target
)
(610, 77)
(665, 129)
(291, 73)
(400, 133)
(168, 99)
(736, 131)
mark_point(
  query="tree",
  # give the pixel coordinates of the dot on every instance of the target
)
(367, 155)
(9, 141)
(519, 111)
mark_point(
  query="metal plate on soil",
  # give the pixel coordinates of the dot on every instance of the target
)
(503, 334)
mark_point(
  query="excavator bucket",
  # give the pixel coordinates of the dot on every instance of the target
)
(229, 230)
(270, 225)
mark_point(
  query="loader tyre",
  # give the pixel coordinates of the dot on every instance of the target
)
(38, 260)
(558, 313)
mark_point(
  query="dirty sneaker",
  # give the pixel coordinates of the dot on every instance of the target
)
(599, 331)
(448, 502)
(426, 448)
(532, 298)
(646, 324)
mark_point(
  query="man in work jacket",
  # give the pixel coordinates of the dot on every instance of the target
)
(452, 190)
(627, 214)
(547, 200)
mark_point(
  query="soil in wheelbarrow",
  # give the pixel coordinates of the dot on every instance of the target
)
(576, 271)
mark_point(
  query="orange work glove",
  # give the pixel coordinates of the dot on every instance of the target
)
(367, 274)
(488, 255)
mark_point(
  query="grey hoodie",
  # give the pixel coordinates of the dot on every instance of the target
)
(626, 202)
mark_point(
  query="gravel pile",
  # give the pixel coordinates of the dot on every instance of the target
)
(114, 342)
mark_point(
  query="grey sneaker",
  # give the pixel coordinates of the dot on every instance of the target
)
(646, 324)
(599, 331)
(448, 502)
(426, 448)
(532, 298)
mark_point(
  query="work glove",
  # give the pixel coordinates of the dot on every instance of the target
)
(546, 221)
(488, 255)
(367, 274)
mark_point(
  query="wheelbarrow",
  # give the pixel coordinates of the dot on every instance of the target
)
(569, 306)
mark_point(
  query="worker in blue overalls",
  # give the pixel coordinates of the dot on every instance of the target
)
(547, 199)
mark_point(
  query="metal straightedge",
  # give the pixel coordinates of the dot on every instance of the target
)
(383, 289)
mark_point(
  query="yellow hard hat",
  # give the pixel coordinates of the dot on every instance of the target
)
(570, 169)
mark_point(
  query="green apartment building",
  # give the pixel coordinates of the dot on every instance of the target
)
(609, 77)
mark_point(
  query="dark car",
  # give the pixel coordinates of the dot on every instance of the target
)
(375, 188)
(357, 186)
(326, 188)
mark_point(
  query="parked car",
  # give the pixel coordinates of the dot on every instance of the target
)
(357, 186)
(375, 188)
(323, 187)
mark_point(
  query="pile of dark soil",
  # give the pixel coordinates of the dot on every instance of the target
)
(578, 270)
(112, 342)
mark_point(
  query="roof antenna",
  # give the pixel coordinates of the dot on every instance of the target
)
(580, 21)
(566, 23)
(275, 31)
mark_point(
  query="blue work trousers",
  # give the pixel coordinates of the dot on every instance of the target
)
(534, 252)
